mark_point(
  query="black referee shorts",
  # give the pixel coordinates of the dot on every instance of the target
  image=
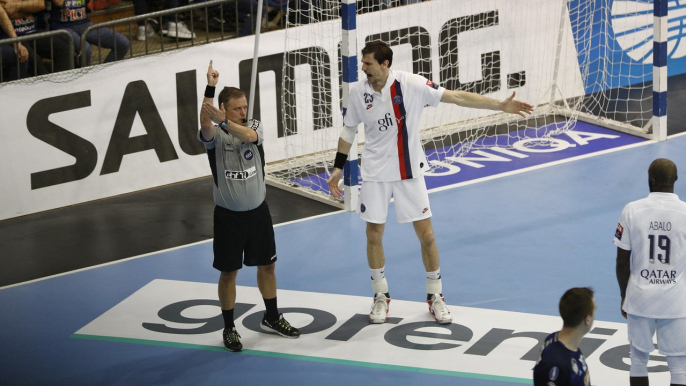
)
(243, 238)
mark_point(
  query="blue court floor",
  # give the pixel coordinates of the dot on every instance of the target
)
(509, 245)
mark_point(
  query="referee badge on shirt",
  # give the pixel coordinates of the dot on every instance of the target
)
(619, 231)
(248, 154)
(397, 99)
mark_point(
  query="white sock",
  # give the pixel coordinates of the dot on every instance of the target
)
(434, 287)
(378, 274)
(434, 275)
(380, 286)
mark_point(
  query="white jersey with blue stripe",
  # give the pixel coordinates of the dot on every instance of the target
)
(393, 149)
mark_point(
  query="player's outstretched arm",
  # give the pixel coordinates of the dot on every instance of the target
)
(206, 125)
(335, 177)
(476, 101)
(623, 271)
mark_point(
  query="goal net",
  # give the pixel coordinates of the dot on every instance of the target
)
(575, 60)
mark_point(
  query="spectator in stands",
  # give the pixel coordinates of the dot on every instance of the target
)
(25, 16)
(213, 19)
(173, 29)
(15, 56)
(71, 15)
(247, 13)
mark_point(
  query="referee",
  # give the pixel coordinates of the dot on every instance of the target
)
(243, 231)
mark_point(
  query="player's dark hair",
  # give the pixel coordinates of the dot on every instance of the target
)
(381, 51)
(229, 93)
(662, 175)
(575, 305)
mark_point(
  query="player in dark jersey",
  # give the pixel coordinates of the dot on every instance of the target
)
(561, 362)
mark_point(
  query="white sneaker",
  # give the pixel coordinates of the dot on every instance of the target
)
(439, 310)
(144, 33)
(179, 30)
(379, 312)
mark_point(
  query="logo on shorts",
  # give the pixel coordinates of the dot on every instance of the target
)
(619, 231)
(425, 209)
(397, 99)
(362, 208)
(248, 154)
(432, 84)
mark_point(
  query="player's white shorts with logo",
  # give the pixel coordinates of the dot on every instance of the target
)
(410, 196)
(671, 334)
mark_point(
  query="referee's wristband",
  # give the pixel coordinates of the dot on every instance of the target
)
(209, 92)
(340, 160)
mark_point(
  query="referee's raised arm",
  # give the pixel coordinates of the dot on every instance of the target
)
(206, 124)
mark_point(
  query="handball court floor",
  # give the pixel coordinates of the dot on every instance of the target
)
(77, 284)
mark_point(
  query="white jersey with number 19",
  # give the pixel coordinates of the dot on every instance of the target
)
(654, 230)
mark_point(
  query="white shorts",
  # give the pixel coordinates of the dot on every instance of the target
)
(411, 200)
(671, 334)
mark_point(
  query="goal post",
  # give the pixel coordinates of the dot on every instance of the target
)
(598, 61)
(349, 76)
(660, 49)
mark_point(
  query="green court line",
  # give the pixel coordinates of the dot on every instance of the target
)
(307, 358)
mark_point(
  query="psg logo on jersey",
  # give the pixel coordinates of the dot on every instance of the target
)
(397, 99)
(363, 208)
(248, 154)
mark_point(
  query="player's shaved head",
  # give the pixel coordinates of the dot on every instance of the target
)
(662, 175)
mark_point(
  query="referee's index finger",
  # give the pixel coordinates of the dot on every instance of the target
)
(210, 65)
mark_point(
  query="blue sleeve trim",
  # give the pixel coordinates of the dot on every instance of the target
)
(204, 140)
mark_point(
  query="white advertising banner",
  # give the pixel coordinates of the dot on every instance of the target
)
(480, 343)
(131, 125)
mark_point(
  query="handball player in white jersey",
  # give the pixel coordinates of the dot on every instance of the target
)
(390, 105)
(651, 259)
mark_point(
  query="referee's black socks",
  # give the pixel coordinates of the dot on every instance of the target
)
(272, 309)
(228, 319)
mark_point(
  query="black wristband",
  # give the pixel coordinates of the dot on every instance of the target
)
(340, 160)
(209, 92)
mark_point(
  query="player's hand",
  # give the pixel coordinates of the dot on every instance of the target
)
(212, 76)
(333, 182)
(512, 106)
(621, 308)
(215, 114)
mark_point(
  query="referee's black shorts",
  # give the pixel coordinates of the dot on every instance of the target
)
(243, 238)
